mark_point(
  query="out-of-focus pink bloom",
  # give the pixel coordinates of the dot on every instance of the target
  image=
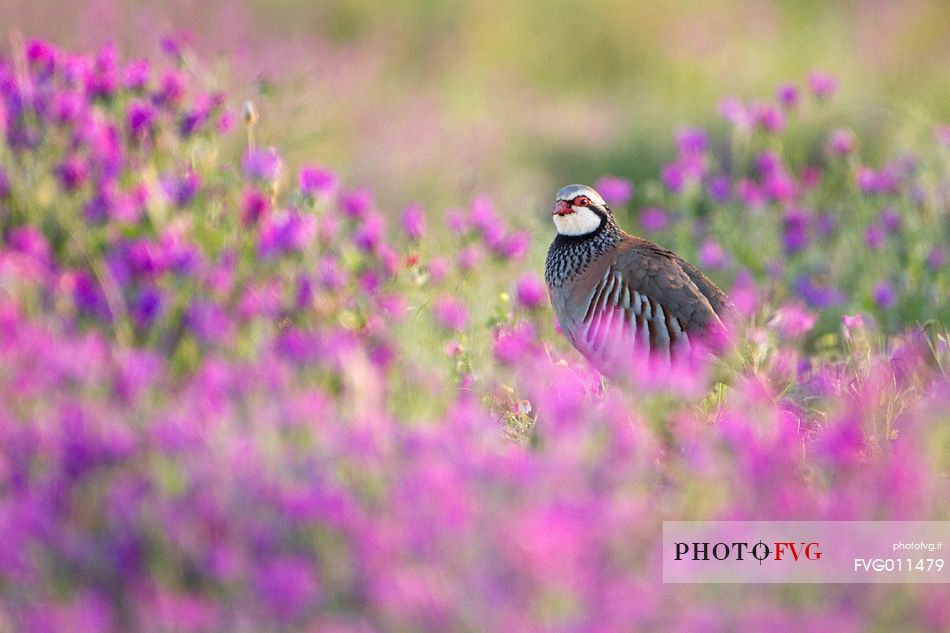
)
(369, 234)
(530, 292)
(884, 295)
(736, 113)
(852, 322)
(653, 219)
(691, 141)
(874, 237)
(512, 343)
(841, 142)
(616, 191)
(413, 222)
(317, 181)
(255, 206)
(356, 204)
(793, 321)
(711, 255)
(262, 164)
(787, 95)
(767, 117)
(469, 258)
(823, 85)
(450, 314)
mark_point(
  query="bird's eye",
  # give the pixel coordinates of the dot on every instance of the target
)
(581, 201)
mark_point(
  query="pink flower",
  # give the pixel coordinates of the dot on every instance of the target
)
(317, 181)
(823, 85)
(616, 191)
(450, 314)
(530, 292)
(414, 222)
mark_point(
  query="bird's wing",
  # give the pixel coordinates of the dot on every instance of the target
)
(644, 299)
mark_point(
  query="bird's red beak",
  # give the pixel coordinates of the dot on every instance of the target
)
(562, 207)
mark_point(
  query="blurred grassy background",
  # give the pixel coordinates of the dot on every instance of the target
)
(431, 100)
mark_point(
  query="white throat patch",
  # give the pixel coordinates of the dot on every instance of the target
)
(581, 222)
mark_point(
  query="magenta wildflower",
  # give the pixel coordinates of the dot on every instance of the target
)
(511, 344)
(795, 230)
(852, 322)
(841, 142)
(255, 206)
(514, 246)
(317, 181)
(653, 219)
(767, 117)
(874, 237)
(369, 234)
(413, 222)
(672, 177)
(691, 141)
(712, 255)
(793, 321)
(262, 164)
(469, 258)
(450, 313)
(137, 75)
(181, 189)
(787, 95)
(616, 191)
(823, 85)
(72, 172)
(884, 295)
(530, 292)
(356, 204)
(735, 112)
(937, 258)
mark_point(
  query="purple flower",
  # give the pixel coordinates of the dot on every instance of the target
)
(793, 321)
(719, 188)
(937, 258)
(767, 117)
(795, 230)
(450, 314)
(41, 58)
(817, 295)
(456, 221)
(137, 75)
(822, 84)
(874, 237)
(356, 204)
(672, 176)
(469, 258)
(735, 112)
(72, 172)
(255, 206)
(711, 254)
(208, 322)
(182, 189)
(413, 222)
(146, 307)
(891, 220)
(288, 587)
(4, 184)
(787, 95)
(317, 181)
(616, 191)
(262, 164)
(140, 119)
(369, 234)
(287, 232)
(514, 246)
(653, 219)
(171, 90)
(692, 141)
(530, 292)
(841, 142)
(512, 343)
(852, 322)
(884, 295)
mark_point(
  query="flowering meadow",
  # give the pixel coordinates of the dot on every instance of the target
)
(239, 397)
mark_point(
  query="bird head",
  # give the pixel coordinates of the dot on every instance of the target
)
(579, 210)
